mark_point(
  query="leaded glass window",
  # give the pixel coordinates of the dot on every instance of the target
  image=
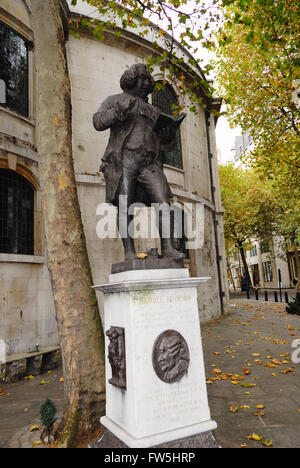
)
(165, 99)
(16, 214)
(13, 71)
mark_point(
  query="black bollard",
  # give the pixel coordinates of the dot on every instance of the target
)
(286, 297)
(275, 296)
(256, 294)
(266, 295)
(248, 294)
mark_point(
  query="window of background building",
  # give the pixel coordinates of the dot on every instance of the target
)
(16, 214)
(253, 251)
(13, 71)
(268, 272)
(165, 99)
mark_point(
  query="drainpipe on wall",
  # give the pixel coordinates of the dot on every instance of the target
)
(215, 221)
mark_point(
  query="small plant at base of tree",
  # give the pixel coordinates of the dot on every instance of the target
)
(48, 413)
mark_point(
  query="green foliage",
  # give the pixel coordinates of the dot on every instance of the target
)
(249, 207)
(166, 24)
(47, 413)
(257, 68)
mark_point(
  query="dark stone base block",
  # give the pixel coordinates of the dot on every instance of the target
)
(203, 440)
(148, 263)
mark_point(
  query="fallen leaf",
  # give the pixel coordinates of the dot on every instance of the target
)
(233, 409)
(254, 437)
(35, 427)
(35, 443)
(260, 406)
(216, 371)
(142, 255)
(267, 444)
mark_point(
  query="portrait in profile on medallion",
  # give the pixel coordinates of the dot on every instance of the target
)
(170, 356)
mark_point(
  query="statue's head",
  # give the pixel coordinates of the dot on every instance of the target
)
(138, 81)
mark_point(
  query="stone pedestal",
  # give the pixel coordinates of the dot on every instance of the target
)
(155, 388)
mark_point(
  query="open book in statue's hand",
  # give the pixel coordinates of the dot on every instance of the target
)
(168, 122)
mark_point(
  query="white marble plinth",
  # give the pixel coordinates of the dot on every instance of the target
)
(151, 411)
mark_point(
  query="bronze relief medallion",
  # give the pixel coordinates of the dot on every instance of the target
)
(170, 356)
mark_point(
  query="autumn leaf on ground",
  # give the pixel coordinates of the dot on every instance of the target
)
(245, 407)
(217, 371)
(254, 437)
(260, 406)
(141, 255)
(35, 427)
(233, 409)
(259, 414)
(36, 442)
(61, 379)
(266, 443)
(286, 371)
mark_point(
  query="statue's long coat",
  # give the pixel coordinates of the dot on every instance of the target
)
(108, 117)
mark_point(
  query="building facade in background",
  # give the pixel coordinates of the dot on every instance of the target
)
(27, 310)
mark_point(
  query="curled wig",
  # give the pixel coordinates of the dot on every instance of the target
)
(130, 76)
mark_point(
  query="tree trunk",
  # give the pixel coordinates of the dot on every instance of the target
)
(246, 269)
(79, 323)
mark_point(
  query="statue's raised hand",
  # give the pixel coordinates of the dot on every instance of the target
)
(126, 104)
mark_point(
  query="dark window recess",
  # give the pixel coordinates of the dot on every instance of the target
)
(16, 214)
(165, 99)
(13, 71)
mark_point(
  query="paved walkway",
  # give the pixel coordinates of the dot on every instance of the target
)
(20, 408)
(248, 363)
(255, 340)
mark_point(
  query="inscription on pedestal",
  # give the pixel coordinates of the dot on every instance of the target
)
(170, 356)
(117, 356)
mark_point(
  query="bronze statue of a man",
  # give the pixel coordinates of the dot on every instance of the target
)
(132, 164)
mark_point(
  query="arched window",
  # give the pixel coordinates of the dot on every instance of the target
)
(165, 99)
(16, 214)
(13, 71)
